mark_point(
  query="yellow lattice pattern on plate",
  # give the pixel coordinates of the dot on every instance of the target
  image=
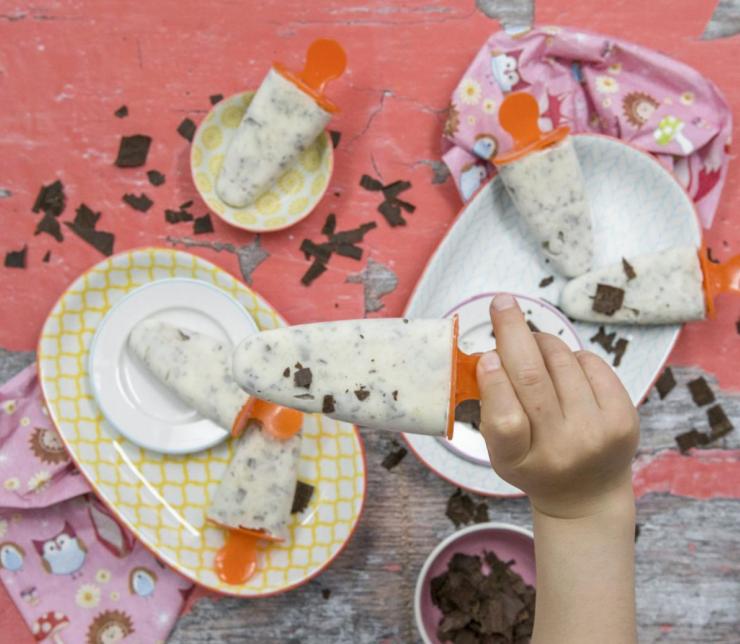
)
(292, 197)
(162, 498)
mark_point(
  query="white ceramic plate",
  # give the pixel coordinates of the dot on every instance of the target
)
(162, 498)
(637, 207)
(135, 402)
(293, 196)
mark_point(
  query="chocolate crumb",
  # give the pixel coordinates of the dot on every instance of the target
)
(368, 183)
(203, 225)
(700, 392)
(133, 151)
(316, 269)
(348, 250)
(637, 532)
(49, 224)
(51, 199)
(665, 383)
(468, 411)
(690, 439)
(718, 422)
(286, 373)
(608, 299)
(629, 270)
(336, 137)
(47, 257)
(620, 349)
(362, 393)
(156, 178)
(395, 394)
(84, 225)
(215, 98)
(16, 258)
(183, 336)
(186, 129)
(302, 497)
(461, 509)
(547, 281)
(142, 203)
(328, 404)
(177, 216)
(330, 225)
(303, 377)
(392, 459)
(326, 593)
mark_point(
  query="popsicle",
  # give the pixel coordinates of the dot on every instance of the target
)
(393, 374)
(544, 179)
(286, 114)
(668, 287)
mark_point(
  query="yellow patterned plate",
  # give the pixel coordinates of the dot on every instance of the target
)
(162, 498)
(293, 196)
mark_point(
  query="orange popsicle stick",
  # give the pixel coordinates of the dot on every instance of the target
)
(236, 560)
(280, 422)
(718, 278)
(325, 61)
(519, 114)
(464, 379)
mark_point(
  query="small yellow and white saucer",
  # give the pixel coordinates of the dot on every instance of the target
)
(293, 196)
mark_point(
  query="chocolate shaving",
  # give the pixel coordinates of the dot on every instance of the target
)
(84, 227)
(718, 422)
(47, 257)
(51, 199)
(546, 281)
(142, 203)
(468, 411)
(620, 348)
(121, 112)
(391, 206)
(348, 250)
(608, 299)
(186, 129)
(302, 497)
(286, 373)
(325, 593)
(328, 404)
(461, 509)
(700, 392)
(367, 182)
(335, 138)
(156, 178)
(49, 224)
(177, 216)
(215, 98)
(604, 340)
(666, 383)
(392, 213)
(203, 225)
(395, 394)
(362, 393)
(330, 225)
(133, 150)
(392, 459)
(321, 252)
(303, 377)
(689, 440)
(629, 270)
(316, 269)
(352, 236)
(16, 258)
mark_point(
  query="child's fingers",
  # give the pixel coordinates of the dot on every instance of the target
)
(523, 361)
(504, 424)
(571, 384)
(608, 391)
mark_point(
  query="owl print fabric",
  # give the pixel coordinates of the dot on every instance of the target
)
(73, 572)
(593, 84)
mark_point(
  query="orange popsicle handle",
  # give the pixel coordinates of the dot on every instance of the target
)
(519, 115)
(280, 422)
(325, 61)
(464, 380)
(718, 278)
(236, 561)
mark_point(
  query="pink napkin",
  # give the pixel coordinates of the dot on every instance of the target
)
(72, 570)
(592, 83)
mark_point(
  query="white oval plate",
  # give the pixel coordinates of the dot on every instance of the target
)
(293, 196)
(134, 401)
(162, 498)
(637, 206)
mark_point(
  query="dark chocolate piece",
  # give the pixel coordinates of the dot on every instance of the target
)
(353, 236)
(51, 199)
(461, 509)
(203, 225)
(186, 204)
(302, 497)
(49, 224)
(321, 252)
(546, 281)
(637, 532)
(608, 299)
(330, 225)
(336, 137)
(177, 216)
(133, 150)
(16, 258)
(629, 270)
(303, 377)
(620, 348)
(316, 269)
(186, 129)
(700, 392)
(328, 404)
(47, 257)
(392, 213)
(142, 203)
(156, 178)
(689, 440)
(367, 182)
(121, 112)
(362, 393)
(286, 373)
(718, 422)
(394, 458)
(395, 394)
(665, 383)
(215, 98)
(468, 411)
(84, 227)
(348, 250)
(325, 593)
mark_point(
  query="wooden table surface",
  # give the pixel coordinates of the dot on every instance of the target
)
(74, 62)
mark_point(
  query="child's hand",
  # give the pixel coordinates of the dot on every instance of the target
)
(559, 425)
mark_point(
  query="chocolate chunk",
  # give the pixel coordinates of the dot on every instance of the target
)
(186, 129)
(665, 383)
(51, 199)
(392, 213)
(215, 98)
(394, 458)
(321, 252)
(286, 373)
(330, 225)
(186, 204)
(367, 182)
(121, 112)
(133, 150)
(16, 258)
(302, 378)
(394, 189)
(700, 392)
(328, 404)
(461, 509)
(608, 299)
(362, 393)
(326, 593)
(718, 422)
(619, 350)
(629, 270)
(47, 257)
(689, 440)
(546, 281)
(302, 497)
(49, 224)
(395, 394)
(203, 225)
(353, 236)
(84, 227)
(177, 216)
(468, 411)
(335, 138)
(348, 250)
(316, 269)
(533, 327)
(156, 178)
(142, 203)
